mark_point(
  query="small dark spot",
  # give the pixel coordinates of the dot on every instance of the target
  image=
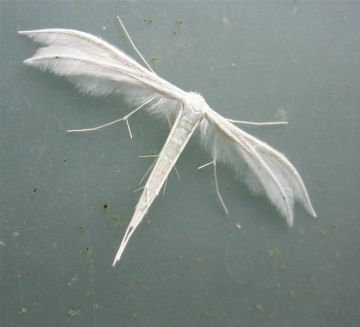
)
(87, 249)
(57, 57)
(82, 229)
(105, 206)
(35, 189)
(179, 22)
(147, 20)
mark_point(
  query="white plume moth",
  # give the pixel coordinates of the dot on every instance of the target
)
(98, 68)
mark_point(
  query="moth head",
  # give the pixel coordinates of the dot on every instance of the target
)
(196, 103)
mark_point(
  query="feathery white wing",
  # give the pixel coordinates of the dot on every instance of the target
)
(264, 169)
(98, 68)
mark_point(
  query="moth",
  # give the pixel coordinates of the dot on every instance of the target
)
(99, 68)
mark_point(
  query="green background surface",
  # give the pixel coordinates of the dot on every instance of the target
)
(188, 264)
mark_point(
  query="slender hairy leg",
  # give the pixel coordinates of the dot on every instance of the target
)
(213, 163)
(254, 123)
(125, 118)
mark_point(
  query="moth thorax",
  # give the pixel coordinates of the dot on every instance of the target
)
(195, 103)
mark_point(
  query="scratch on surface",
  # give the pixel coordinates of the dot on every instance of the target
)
(49, 118)
(21, 112)
(228, 264)
(18, 274)
(230, 273)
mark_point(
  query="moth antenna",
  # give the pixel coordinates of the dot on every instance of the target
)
(133, 44)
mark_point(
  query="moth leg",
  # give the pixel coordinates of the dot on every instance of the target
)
(254, 123)
(164, 188)
(170, 124)
(139, 189)
(166, 180)
(216, 180)
(207, 164)
(125, 118)
(133, 44)
(213, 163)
(217, 189)
(148, 170)
(177, 173)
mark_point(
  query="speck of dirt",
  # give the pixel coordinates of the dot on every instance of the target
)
(134, 315)
(74, 312)
(259, 307)
(273, 253)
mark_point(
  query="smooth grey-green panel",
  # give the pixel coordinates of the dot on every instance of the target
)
(188, 264)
